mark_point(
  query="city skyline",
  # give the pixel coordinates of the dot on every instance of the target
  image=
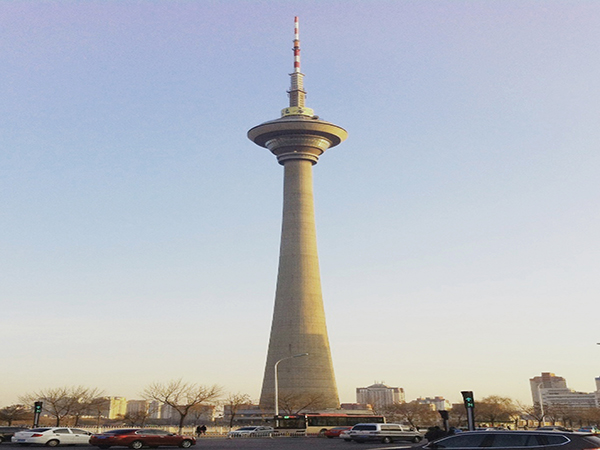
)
(458, 224)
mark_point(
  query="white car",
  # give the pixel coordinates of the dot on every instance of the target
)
(345, 435)
(52, 436)
(252, 432)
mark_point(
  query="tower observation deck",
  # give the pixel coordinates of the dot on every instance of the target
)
(298, 138)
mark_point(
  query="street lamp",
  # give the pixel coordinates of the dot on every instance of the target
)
(541, 401)
(277, 381)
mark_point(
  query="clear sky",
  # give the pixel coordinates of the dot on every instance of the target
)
(458, 225)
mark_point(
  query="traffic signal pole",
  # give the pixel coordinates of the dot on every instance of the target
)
(470, 407)
(37, 411)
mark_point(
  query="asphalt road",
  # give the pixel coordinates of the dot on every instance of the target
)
(299, 443)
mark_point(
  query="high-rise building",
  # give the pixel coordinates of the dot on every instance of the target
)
(149, 409)
(548, 390)
(379, 395)
(299, 346)
(112, 407)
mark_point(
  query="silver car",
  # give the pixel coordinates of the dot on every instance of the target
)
(251, 432)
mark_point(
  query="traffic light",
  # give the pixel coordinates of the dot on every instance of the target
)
(37, 407)
(469, 399)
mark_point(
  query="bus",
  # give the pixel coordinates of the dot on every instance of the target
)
(317, 423)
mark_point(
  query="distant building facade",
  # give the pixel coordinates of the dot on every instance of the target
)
(150, 409)
(196, 415)
(246, 414)
(438, 403)
(379, 395)
(549, 390)
(113, 407)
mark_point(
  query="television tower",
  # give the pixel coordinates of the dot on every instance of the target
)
(298, 138)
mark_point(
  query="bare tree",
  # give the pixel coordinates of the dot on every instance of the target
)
(86, 401)
(62, 402)
(141, 416)
(181, 396)
(292, 403)
(494, 409)
(532, 411)
(14, 412)
(233, 403)
(458, 415)
(416, 414)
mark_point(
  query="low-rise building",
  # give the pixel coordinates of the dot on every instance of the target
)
(439, 403)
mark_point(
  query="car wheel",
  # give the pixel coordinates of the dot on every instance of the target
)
(387, 440)
(416, 439)
(52, 443)
(136, 445)
(186, 443)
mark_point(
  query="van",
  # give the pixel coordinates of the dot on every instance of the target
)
(384, 432)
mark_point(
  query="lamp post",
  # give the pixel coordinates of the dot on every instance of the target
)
(541, 402)
(277, 382)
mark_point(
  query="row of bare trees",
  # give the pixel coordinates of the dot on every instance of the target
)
(74, 402)
(190, 399)
(492, 411)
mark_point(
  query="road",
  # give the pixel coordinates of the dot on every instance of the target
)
(299, 443)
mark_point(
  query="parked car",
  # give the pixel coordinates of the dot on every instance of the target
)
(516, 440)
(252, 432)
(52, 436)
(592, 429)
(345, 435)
(6, 433)
(137, 438)
(384, 432)
(553, 428)
(335, 432)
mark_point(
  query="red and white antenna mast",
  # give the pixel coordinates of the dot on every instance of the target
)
(297, 92)
(296, 45)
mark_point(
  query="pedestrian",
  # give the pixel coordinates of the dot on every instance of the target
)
(203, 429)
(198, 430)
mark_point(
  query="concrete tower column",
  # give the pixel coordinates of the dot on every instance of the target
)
(298, 138)
(299, 317)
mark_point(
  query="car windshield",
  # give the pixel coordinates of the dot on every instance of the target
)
(247, 429)
(40, 430)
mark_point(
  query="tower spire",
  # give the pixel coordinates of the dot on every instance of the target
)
(297, 93)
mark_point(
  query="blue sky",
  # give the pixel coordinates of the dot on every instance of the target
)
(458, 224)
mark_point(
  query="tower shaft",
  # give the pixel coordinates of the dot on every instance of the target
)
(298, 138)
(299, 318)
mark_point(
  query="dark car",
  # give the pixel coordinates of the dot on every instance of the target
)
(8, 432)
(137, 438)
(511, 440)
